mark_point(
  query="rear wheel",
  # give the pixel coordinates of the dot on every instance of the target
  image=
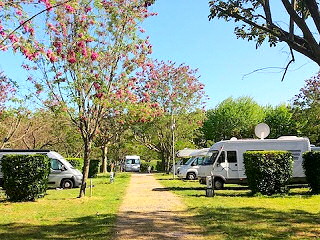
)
(191, 176)
(218, 184)
(67, 183)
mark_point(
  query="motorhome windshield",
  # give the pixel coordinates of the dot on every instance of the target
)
(132, 161)
(209, 159)
(189, 161)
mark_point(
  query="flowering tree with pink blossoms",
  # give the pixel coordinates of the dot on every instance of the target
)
(177, 91)
(91, 51)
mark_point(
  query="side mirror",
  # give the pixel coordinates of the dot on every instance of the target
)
(193, 164)
(63, 168)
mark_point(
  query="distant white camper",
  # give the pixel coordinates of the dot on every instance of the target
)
(132, 163)
(226, 158)
(189, 170)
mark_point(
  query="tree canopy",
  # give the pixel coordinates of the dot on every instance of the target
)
(298, 25)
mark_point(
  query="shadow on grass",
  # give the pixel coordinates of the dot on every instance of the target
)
(233, 191)
(89, 227)
(201, 191)
(257, 223)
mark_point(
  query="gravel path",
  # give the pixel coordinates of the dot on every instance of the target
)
(150, 212)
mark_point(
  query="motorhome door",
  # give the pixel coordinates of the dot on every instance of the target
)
(232, 165)
(220, 167)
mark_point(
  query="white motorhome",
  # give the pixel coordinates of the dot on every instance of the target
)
(62, 175)
(190, 169)
(132, 163)
(226, 158)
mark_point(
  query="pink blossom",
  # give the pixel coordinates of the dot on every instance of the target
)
(19, 12)
(99, 95)
(69, 8)
(94, 56)
(96, 86)
(71, 60)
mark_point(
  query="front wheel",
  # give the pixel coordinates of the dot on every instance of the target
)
(191, 176)
(218, 184)
(67, 183)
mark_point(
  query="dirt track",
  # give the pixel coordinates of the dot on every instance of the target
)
(149, 212)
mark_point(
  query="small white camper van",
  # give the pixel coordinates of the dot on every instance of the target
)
(62, 174)
(184, 156)
(132, 163)
(190, 169)
(226, 158)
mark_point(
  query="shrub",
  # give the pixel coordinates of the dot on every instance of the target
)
(93, 168)
(76, 162)
(25, 176)
(268, 172)
(311, 166)
(153, 163)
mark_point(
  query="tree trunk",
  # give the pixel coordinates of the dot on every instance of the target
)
(85, 172)
(104, 164)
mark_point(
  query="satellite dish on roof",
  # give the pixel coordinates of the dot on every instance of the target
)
(262, 130)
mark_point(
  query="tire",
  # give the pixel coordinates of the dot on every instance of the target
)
(218, 184)
(191, 176)
(67, 184)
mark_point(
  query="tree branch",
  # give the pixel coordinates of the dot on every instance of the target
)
(286, 68)
(314, 12)
(29, 19)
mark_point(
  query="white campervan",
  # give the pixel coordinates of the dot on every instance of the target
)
(190, 169)
(62, 174)
(226, 158)
(183, 157)
(132, 163)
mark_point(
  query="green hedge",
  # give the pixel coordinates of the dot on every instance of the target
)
(25, 177)
(311, 166)
(76, 162)
(268, 172)
(93, 168)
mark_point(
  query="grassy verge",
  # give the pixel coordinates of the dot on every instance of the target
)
(235, 214)
(61, 215)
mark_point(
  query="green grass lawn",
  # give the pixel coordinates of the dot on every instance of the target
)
(61, 215)
(234, 214)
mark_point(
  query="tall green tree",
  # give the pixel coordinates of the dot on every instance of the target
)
(306, 107)
(233, 118)
(281, 121)
(257, 20)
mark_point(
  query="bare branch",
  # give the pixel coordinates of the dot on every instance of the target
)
(286, 68)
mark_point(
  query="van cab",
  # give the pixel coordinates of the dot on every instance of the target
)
(189, 170)
(62, 175)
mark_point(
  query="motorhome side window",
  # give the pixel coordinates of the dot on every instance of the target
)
(56, 164)
(231, 156)
(200, 160)
(221, 157)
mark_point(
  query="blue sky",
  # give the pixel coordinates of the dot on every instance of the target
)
(182, 32)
